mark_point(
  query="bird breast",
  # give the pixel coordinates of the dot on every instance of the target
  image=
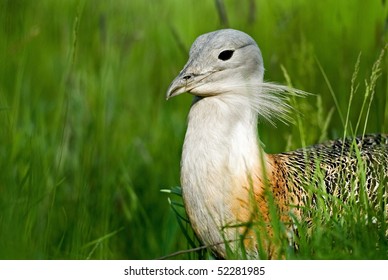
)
(220, 162)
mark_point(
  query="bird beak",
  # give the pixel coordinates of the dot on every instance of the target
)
(178, 86)
(189, 80)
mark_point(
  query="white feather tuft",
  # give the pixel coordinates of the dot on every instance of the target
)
(269, 100)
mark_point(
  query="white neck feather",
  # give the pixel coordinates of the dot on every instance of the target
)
(220, 151)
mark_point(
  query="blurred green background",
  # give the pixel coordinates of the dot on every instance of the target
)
(87, 139)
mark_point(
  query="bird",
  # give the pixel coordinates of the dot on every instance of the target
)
(225, 172)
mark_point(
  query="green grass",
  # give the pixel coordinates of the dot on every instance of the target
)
(87, 140)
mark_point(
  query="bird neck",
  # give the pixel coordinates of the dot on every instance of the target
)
(220, 155)
(223, 136)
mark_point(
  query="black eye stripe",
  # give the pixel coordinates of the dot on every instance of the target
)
(225, 55)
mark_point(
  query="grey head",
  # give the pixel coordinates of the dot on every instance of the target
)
(218, 61)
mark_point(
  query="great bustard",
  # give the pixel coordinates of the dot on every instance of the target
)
(223, 165)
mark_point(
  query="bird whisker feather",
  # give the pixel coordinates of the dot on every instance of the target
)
(269, 100)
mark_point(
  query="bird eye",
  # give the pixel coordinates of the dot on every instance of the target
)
(225, 55)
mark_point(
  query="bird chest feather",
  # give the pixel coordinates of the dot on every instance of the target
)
(220, 163)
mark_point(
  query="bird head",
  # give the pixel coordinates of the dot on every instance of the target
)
(228, 63)
(219, 61)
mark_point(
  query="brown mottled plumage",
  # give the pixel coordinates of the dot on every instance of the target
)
(225, 174)
(337, 165)
(338, 162)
